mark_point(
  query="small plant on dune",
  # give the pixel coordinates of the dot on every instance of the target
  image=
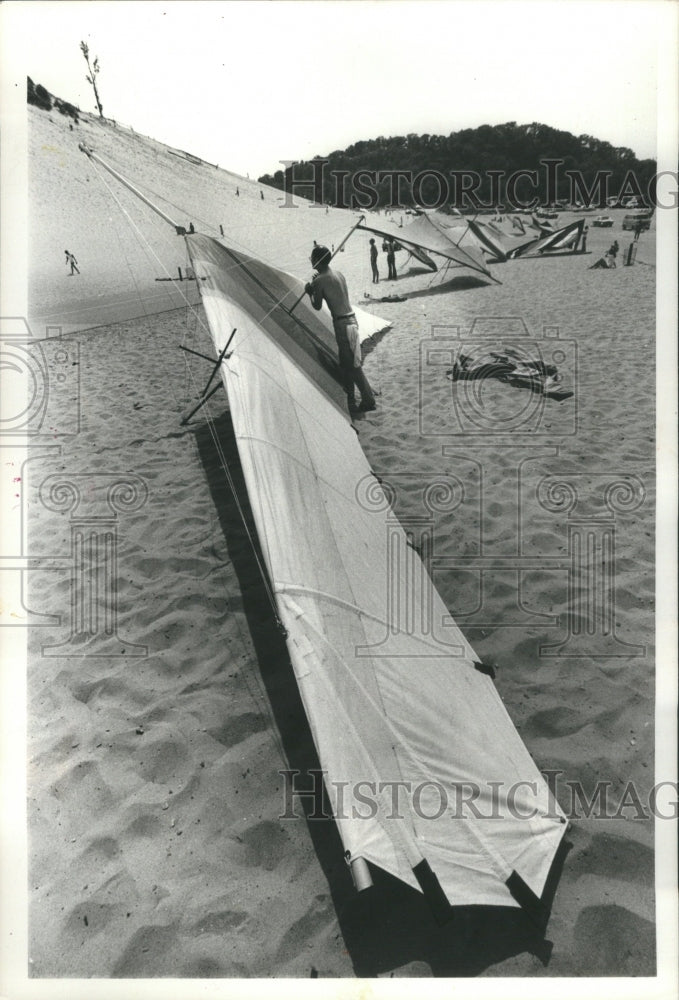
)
(38, 95)
(66, 109)
(92, 75)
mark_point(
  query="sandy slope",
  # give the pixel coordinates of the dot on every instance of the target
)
(156, 847)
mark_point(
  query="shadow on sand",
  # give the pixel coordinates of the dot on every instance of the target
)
(460, 283)
(389, 925)
(369, 345)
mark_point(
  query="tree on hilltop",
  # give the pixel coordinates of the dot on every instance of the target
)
(92, 77)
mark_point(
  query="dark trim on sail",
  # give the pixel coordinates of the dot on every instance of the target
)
(531, 904)
(433, 893)
(261, 290)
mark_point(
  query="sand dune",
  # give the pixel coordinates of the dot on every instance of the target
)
(155, 843)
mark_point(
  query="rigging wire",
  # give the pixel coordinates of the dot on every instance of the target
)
(211, 227)
(262, 700)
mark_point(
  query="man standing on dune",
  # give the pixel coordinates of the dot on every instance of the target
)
(331, 286)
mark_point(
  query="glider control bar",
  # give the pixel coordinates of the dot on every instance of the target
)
(207, 393)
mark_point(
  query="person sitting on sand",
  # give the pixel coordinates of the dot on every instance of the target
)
(70, 259)
(330, 286)
(612, 253)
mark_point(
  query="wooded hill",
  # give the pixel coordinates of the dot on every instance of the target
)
(493, 153)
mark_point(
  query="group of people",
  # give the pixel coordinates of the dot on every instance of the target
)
(389, 248)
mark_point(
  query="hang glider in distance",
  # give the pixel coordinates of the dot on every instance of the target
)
(564, 240)
(553, 242)
(474, 244)
(429, 234)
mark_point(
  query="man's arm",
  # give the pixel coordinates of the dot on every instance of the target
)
(315, 294)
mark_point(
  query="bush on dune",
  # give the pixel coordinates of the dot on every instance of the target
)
(66, 109)
(38, 95)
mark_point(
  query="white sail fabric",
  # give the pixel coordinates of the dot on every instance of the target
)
(387, 679)
(368, 323)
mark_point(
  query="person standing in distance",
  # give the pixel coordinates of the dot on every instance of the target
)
(330, 286)
(391, 261)
(373, 262)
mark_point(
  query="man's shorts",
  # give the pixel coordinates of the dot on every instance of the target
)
(348, 343)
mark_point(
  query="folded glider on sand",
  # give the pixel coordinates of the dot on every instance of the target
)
(427, 776)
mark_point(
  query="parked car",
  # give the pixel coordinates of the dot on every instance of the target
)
(637, 223)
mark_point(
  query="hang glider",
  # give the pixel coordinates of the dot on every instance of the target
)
(502, 248)
(565, 239)
(394, 696)
(495, 243)
(427, 777)
(427, 235)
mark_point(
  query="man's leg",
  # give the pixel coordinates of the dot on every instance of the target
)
(365, 389)
(346, 363)
(349, 347)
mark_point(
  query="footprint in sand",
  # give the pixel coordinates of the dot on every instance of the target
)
(238, 728)
(613, 941)
(266, 844)
(222, 922)
(614, 857)
(310, 925)
(555, 722)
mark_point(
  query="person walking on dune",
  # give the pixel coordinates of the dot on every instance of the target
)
(70, 259)
(330, 286)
